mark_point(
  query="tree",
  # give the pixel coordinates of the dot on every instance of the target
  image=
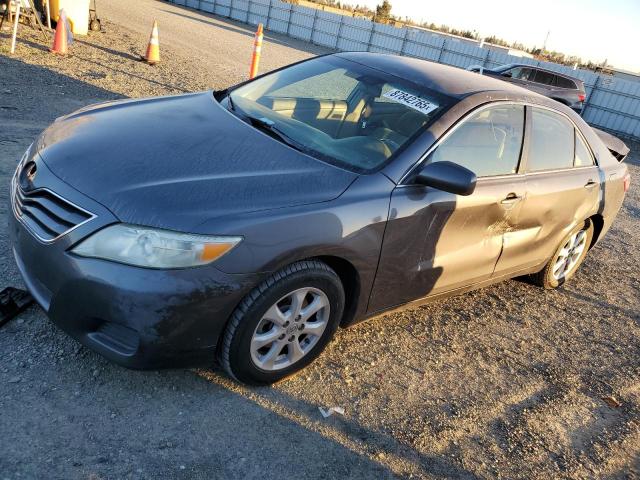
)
(383, 12)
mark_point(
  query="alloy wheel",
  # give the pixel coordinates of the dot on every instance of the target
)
(290, 329)
(569, 255)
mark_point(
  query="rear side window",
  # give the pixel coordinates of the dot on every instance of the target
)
(552, 141)
(545, 78)
(583, 155)
(488, 143)
(563, 82)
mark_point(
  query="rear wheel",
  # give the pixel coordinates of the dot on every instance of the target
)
(283, 324)
(567, 258)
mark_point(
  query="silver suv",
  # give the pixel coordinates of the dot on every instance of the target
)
(564, 89)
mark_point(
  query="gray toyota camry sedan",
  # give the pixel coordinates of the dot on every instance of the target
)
(251, 223)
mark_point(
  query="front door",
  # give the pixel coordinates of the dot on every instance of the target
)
(437, 241)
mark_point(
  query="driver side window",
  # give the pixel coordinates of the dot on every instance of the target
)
(488, 143)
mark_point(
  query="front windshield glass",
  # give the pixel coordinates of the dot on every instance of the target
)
(339, 111)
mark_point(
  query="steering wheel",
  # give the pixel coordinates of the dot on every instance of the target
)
(393, 145)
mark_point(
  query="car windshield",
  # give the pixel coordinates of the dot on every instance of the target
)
(339, 111)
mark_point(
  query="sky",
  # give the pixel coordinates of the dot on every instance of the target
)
(592, 29)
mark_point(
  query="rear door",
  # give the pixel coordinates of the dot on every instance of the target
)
(563, 189)
(542, 82)
(437, 241)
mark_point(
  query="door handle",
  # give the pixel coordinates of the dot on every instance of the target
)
(590, 184)
(510, 199)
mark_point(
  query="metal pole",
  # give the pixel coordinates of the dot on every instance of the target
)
(486, 57)
(15, 27)
(266, 25)
(404, 40)
(48, 14)
(339, 31)
(313, 24)
(546, 39)
(370, 36)
(442, 48)
(290, 15)
(587, 101)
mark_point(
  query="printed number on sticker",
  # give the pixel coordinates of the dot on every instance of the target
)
(412, 101)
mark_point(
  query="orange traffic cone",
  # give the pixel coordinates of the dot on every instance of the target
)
(60, 39)
(257, 51)
(153, 50)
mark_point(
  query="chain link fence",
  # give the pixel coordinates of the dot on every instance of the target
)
(612, 104)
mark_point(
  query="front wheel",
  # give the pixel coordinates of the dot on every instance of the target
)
(567, 258)
(283, 324)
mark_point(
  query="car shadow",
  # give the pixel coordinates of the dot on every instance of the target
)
(110, 51)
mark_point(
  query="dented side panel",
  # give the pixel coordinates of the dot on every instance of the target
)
(437, 241)
(555, 204)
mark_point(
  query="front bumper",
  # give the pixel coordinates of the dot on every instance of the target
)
(136, 317)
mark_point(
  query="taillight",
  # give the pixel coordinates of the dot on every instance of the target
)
(626, 182)
(581, 97)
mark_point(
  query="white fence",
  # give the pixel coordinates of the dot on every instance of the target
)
(612, 104)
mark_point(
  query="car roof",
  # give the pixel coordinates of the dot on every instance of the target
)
(451, 81)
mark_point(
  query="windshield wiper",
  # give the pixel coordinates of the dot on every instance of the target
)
(230, 103)
(265, 125)
(270, 128)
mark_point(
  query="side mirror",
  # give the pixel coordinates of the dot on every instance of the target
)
(507, 74)
(448, 177)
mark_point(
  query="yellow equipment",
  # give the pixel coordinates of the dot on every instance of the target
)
(77, 12)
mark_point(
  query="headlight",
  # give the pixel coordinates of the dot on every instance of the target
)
(154, 248)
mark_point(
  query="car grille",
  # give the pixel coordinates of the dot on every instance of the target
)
(47, 215)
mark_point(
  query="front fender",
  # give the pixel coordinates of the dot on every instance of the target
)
(350, 227)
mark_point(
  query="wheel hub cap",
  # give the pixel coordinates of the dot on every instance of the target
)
(291, 329)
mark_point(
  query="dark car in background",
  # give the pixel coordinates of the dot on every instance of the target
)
(562, 88)
(251, 223)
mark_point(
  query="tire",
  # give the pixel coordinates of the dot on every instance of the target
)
(287, 297)
(546, 278)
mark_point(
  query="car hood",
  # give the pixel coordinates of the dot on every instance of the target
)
(176, 162)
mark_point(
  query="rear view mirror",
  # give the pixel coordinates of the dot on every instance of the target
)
(448, 177)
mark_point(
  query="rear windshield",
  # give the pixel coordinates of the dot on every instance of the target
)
(340, 111)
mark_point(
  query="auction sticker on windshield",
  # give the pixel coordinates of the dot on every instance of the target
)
(412, 101)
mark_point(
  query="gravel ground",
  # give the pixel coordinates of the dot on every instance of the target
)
(505, 382)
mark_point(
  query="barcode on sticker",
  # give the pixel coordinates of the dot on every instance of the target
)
(412, 101)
